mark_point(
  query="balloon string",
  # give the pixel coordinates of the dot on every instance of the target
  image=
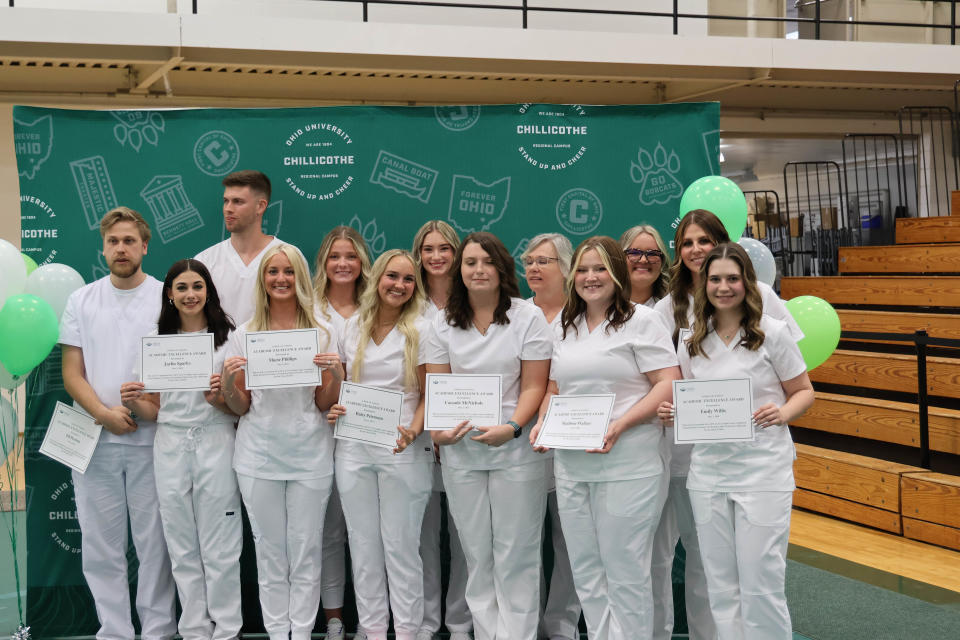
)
(10, 466)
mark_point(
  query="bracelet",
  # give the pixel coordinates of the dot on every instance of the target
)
(517, 429)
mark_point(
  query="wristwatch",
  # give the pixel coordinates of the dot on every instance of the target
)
(517, 429)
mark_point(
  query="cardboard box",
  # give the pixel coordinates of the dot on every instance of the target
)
(828, 217)
(796, 227)
(955, 203)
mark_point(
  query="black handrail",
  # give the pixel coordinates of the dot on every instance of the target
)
(674, 14)
(921, 340)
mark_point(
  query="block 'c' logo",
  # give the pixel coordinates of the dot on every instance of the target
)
(579, 211)
(457, 118)
(216, 153)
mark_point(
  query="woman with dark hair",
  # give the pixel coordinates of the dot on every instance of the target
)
(192, 455)
(496, 485)
(610, 498)
(741, 492)
(699, 231)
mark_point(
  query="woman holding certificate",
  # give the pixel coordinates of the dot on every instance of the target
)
(284, 451)
(546, 265)
(342, 272)
(384, 492)
(496, 485)
(192, 455)
(741, 492)
(434, 247)
(610, 497)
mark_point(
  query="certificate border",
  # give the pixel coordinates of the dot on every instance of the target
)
(61, 407)
(246, 345)
(676, 438)
(612, 397)
(431, 376)
(165, 336)
(336, 428)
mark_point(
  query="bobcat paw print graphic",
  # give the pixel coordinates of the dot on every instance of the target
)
(137, 127)
(375, 239)
(657, 175)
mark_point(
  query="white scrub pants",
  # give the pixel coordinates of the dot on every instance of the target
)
(609, 528)
(200, 509)
(383, 505)
(333, 574)
(119, 484)
(458, 616)
(743, 542)
(676, 523)
(286, 517)
(499, 515)
(561, 614)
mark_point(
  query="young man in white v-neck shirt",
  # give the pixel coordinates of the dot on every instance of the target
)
(100, 334)
(233, 263)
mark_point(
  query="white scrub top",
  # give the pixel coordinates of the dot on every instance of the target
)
(107, 324)
(234, 280)
(766, 464)
(333, 318)
(501, 350)
(383, 367)
(283, 436)
(616, 362)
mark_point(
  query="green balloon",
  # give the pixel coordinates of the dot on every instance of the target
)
(28, 331)
(820, 325)
(29, 262)
(721, 197)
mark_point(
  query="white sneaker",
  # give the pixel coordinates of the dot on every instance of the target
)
(360, 635)
(424, 634)
(335, 629)
(460, 635)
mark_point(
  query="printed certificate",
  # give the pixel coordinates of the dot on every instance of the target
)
(576, 422)
(71, 437)
(713, 411)
(176, 362)
(373, 415)
(279, 359)
(453, 398)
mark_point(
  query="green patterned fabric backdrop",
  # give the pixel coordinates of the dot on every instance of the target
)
(514, 170)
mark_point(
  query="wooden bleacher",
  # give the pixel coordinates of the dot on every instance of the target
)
(912, 286)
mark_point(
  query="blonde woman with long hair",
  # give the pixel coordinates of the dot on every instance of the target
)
(384, 492)
(434, 248)
(741, 492)
(284, 450)
(342, 273)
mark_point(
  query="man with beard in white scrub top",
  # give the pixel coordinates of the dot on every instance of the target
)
(233, 262)
(100, 332)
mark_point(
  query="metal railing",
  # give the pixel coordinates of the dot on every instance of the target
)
(675, 15)
(920, 340)
(775, 232)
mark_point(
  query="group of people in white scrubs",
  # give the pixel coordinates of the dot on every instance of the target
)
(605, 317)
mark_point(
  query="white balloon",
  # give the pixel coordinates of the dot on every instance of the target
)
(13, 271)
(54, 283)
(8, 380)
(8, 426)
(762, 258)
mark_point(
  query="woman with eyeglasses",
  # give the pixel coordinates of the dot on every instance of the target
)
(434, 248)
(610, 498)
(741, 492)
(546, 265)
(645, 255)
(496, 484)
(697, 234)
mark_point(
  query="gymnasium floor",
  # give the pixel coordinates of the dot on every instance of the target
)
(844, 582)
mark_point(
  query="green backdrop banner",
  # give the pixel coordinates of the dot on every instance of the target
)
(514, 170)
